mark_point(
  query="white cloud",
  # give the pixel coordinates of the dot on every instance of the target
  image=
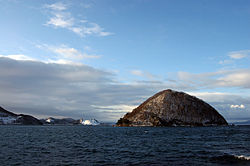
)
(239, 54)
(238, 106)
(225, 62)
(235, 55)
(19, 57)
(71, 53)
(63, 62)
(114, 108)
(144, 74)
(90, 29)
(61, 18)
(236, 78)
(223, 78)
(137, 73)
(117, 111)
(57, 6)
(67, 55)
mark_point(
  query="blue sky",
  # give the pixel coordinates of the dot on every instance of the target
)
(102, 58)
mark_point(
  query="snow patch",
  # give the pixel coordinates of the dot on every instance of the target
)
(92, 122)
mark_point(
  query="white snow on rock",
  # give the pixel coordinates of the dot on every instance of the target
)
(92, 122)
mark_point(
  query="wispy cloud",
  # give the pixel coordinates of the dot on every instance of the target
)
(71, 53)
(143, 74)
(137, 72)
(235, 55)
(225, 61)
(20, 57)
(61, 20)
(64, 54)
(239, 78)
(239, 54)
(57, 6)
(60, 17)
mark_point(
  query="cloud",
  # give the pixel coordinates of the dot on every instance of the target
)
(62, 62)
(235, 55)
(49, 89)
(223, 78)
(116, 111)
(144, 74)
(239, 54)
(61, 18)
(64, 54)
(238, 106)
(71, 53)
(62, 89)
(137, 73)
(18, 57)
(226, 62)
(57, 6)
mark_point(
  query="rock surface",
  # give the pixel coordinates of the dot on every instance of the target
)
(171, 108)
(7, 117)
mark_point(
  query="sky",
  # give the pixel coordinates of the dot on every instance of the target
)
(102, 58)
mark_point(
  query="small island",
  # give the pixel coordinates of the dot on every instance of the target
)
(172, 108)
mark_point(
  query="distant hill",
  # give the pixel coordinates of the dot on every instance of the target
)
(172, 108)
(247, 122)
(70, 121)
(63, 121)
(7, 117)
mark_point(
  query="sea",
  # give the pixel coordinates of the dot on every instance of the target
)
(106, 145)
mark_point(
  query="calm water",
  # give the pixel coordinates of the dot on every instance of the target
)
(86, 145)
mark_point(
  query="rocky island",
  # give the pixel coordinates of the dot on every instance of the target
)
(172, 108)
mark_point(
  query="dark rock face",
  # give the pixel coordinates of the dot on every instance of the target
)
(171, 108)
(27, 120)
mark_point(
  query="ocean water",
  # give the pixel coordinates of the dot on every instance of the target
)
(99, 145)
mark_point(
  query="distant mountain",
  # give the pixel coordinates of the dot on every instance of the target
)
(247, 122)
(7, 117)
(172, 108)
(70, 121)
(64, 121)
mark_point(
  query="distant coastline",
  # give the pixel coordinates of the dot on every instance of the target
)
(10, 118)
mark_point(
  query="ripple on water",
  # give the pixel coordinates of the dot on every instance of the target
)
(80, 145)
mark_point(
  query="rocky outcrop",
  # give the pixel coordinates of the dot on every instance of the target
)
(171, 108)
(7, 117)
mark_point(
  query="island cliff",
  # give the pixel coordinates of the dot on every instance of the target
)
(171, 108)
